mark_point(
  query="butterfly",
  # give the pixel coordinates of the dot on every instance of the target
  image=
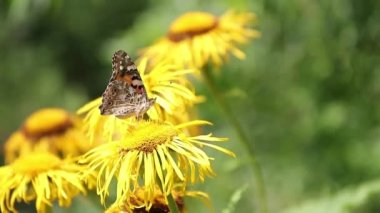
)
(125, 94)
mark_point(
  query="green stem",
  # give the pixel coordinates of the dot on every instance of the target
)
(48, 209)
(258, 176)
(173, 208)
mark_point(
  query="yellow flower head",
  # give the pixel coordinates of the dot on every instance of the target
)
(151, 154)
(41, 177)
(49, 129)
(136, 201)
(196, 38)
(164, 82)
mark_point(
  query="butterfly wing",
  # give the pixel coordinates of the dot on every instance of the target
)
(113, 97)
(127, 72)
(125, 94)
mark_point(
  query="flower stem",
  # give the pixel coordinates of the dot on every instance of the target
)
(48, 209)
(258, 176)
(173, 208)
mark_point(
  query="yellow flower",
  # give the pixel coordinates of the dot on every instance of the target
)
(49, 129)
(195, 38)
(151, 154)
(160, 204)
(166, 83)
(41, 177)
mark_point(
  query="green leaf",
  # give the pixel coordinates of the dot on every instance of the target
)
(344, 201)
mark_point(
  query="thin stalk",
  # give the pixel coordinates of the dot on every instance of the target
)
(257, 174)
(48, 209)
(173, 208)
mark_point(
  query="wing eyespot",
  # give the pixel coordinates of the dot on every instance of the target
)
(109, 103)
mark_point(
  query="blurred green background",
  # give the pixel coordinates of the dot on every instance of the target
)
(308, 94)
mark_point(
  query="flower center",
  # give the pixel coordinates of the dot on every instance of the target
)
(147, 136)
(46, 122)
(191, 24)
(36, 163)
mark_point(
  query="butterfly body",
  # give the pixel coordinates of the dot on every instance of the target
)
(125, 94)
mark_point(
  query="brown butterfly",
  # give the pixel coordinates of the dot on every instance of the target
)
(125, 94)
